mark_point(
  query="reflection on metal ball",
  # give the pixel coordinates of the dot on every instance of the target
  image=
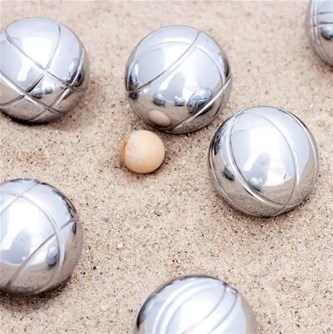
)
(263, 161)
(40, 237)
(44, 70)
(319, 25)
(195, 304)
(179, 72)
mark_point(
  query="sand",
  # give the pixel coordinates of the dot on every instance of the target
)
(143, 230)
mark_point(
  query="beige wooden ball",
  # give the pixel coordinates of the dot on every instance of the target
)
(142, 151)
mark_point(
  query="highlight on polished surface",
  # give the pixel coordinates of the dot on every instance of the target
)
(178, 79)
(40, 237)
(195, 304)
(44, 70)
(319, 25)
(263, 161)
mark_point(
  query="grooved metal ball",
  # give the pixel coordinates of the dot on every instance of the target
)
(44, 70)
(40, 237)
(195, 305)
(263, 161)
(319, 25)
(178, 79)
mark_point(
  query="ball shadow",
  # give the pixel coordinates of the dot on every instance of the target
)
(82, 116)
(24, 302)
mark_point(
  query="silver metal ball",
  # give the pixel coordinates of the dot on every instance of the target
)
(195, 305)
(263, 161)
(319, 25)
(40, 237)
(44, 70)
(178, 79)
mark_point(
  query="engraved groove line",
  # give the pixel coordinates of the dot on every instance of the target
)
(186, 294)
(80, 65)
(171, 311)
(219, 188)
(283, 206)
(206, 106)
(222, 322)
(314, 32)
(317, 37)
(47, 73)
(293, 156)
(30, 258)
(9, 202)
(20, 97)
(29, 97)
(159, 319)
(213, 311)
(172, 67)
(55, 228)
(134, 61)
(59, 98)
(310, 139)
(323, 23)
(240, 178)
(46, 109)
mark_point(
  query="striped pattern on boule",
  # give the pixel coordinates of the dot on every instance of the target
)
(44, 70)
(319, 25)
(195, 304)
(40, 237)
(263, 161)
(178, 79)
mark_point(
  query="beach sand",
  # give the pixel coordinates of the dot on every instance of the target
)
(140, 231)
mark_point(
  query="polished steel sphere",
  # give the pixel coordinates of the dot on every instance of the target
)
(319, 24)
(195, 305)
(40, 237)
(44, 70)
(263, 161)
(178, 79)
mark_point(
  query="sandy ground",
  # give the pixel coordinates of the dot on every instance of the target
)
(143, 230)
